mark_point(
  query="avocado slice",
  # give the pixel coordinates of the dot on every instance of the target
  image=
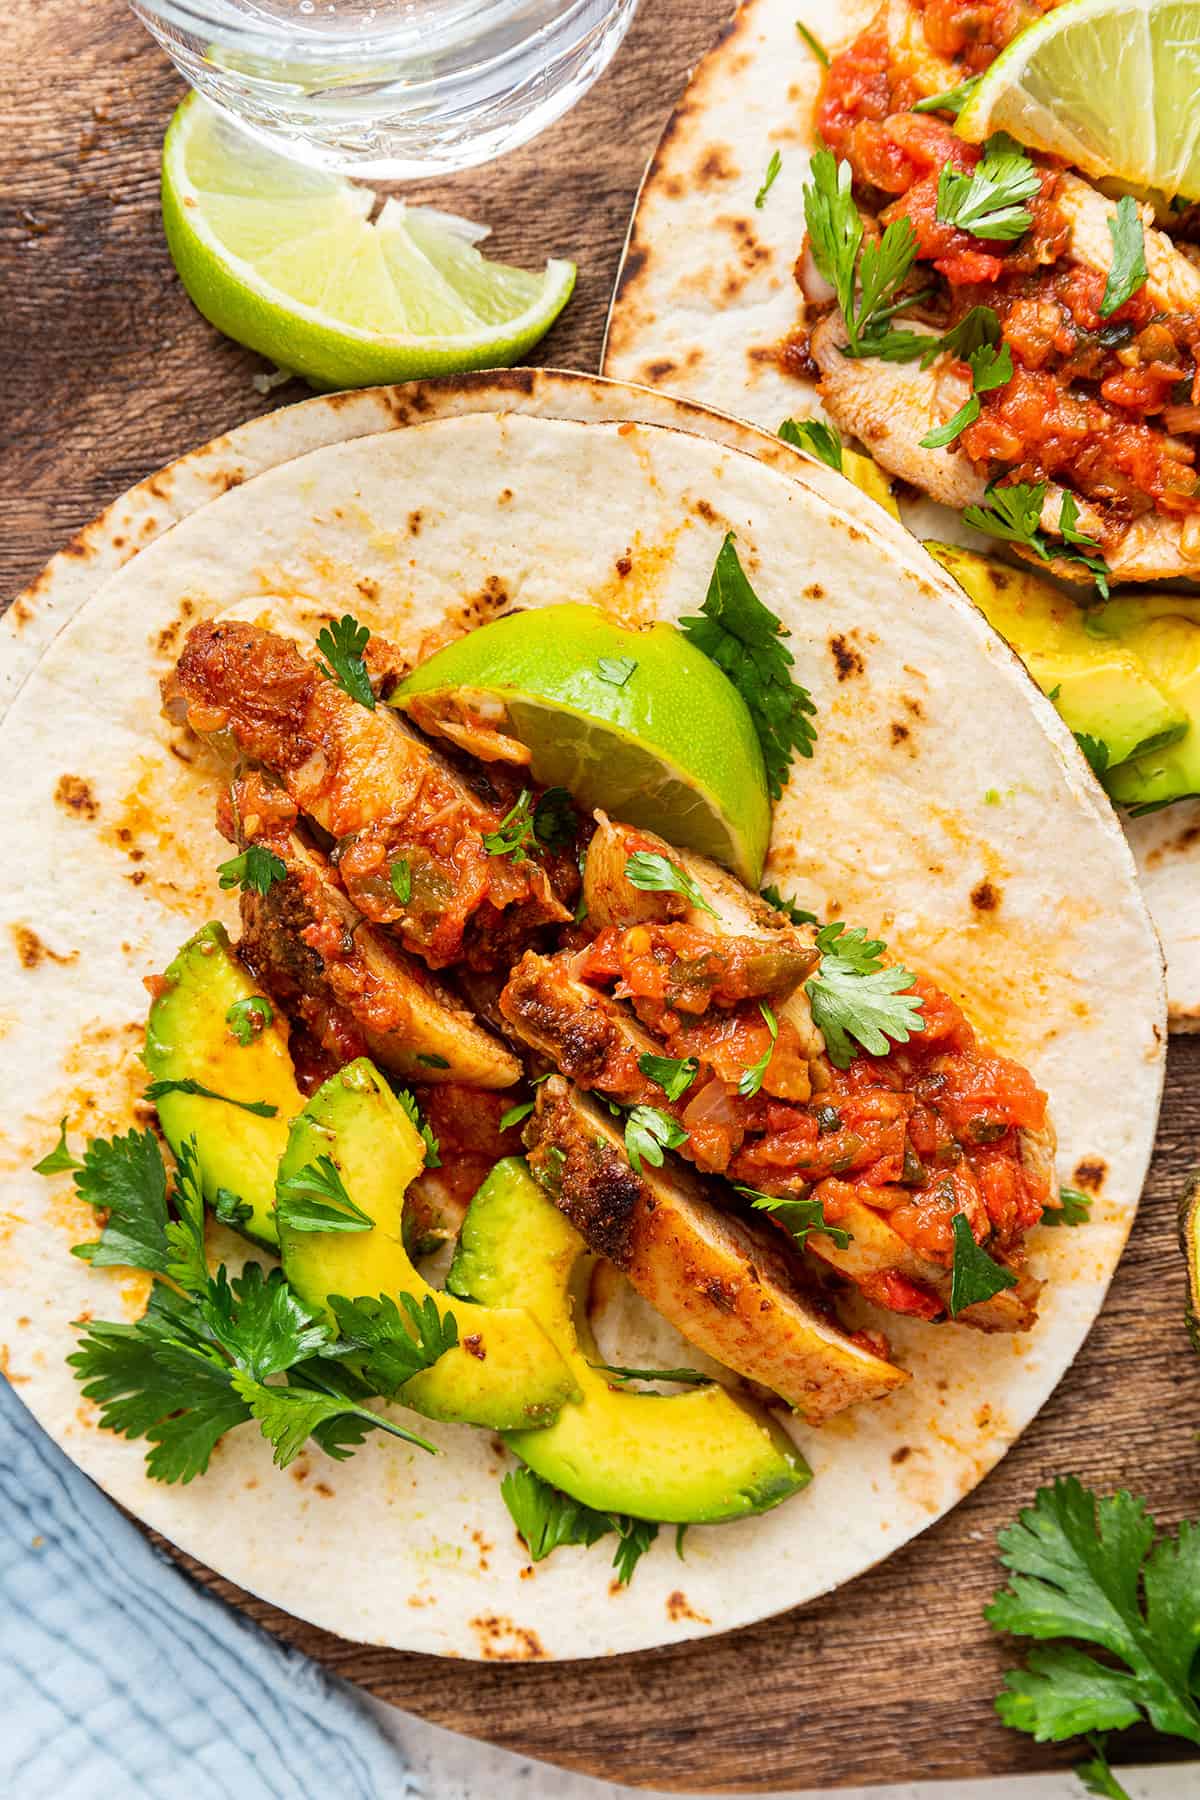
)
(188, 1037)
(690, 1458)
(504, 1372)
(1100, 683)
(1163, 631)
(1189, 1243)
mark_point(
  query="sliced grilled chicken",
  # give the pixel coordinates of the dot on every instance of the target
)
(720, 1281)
(355, 990)
(612, 899)
(389, 801)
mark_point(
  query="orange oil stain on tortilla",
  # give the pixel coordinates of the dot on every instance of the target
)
(164, 827)
(483, 1547)
(630, 595)
(499, 1640)
(679, 1609)
(74, 794)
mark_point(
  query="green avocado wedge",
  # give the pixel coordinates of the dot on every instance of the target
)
(1189, 1243)
(504, 1372)
(189, 1037)
(698, 1457)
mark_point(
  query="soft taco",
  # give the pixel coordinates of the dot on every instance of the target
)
(534, 1102)
(1030, 384)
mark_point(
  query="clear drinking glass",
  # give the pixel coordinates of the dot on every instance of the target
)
(397, 88)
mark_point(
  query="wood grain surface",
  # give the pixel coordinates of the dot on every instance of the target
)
(108, 373)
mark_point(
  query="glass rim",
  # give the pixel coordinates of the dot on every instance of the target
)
(282, 36)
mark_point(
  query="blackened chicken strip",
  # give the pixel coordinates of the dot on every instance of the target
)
(355, 991)
(407, 827)
(725, 1284)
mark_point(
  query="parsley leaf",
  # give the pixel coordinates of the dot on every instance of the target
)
(398, 1345)
(636, 1537)
(125, 1177)
(1013, 514)
(432, 1158)
(1090, 1569)
(941, 435)
(768, 181)
(835, 237)
(616, 670)
(815, 45)
(247, 1019)
(647, 1132)
(554, 821)
(655, 874)
(1128, 271)
(400, 876)
(1076, 1209)
(58, 1161)
(187, 1263)
(514, 831)
(342, 646)
(820, 440)
(976, 1276)
(800, 1216)
(1096, 1774)
(987, 203)
(853, 995)
(742, 636)
(256, 868)
(684, 1377)
(315, 1199)
(262, 1109)
(231, 1209)
(259, 1321)
(1084, 549)
(288, 1416)
(546, 1518)
(990, 368)
(787, 906)
(515, 1114)
(673, 1074)
(951, 100)
(1095, 750)
(751, 1079)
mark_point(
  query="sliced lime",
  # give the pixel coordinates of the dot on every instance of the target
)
(1110, 85)
(289, 261)
(639, 723)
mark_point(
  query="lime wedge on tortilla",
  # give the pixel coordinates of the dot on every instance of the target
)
(289, 261)
(638, 723)
(1110, 85)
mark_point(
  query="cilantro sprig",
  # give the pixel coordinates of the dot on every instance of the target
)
(989, 201)
(314, 1198)
(751, 1079)
(951, 100)
(1128, 271)
(257, 869)
(785, 904)
(867, 278)
(801, 1216)
(158, 1090)
(743, 637)
(342, 645)
(1012, 513)
(549, 824)
(818, 439)
(854, 996)
(648, 1132)
(976, 1276)
(1095, 1570)
(990, 368)
(673, 1074)
(546, 1519)
(1076, 1208)
(60, 1160)
(774, 164)
(653, 873)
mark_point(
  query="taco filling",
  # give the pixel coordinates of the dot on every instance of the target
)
(1034, 357)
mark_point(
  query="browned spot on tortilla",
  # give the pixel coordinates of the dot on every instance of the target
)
(474, 1346)
(624, 565)
(75, 795)
(750, 252)
(32, 951)
(301, 1470)
(658, 370)
(678, 1608)
(1188, 838)
(914, 706)
(527, 1573)
(501, 1641)
(714, 165)
(900, 733)
(673, 186)
(323, 1488)
(706, 511)
(901, 1454)
(504, 496)
(20, 612)
(846, 660)
(814, 591)
(1089, 1174)
(985, 896)
(414, 522)
(368, 588)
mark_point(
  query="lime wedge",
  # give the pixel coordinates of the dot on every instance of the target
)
(1110, 85)
(639, 723)
(288, 260)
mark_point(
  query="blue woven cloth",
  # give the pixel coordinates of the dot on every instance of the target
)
(122, 1680)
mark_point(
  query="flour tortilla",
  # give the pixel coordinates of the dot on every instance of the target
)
(454, 515)
(706, 294)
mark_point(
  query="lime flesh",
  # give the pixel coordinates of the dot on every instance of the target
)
(667, 744)
(287, 260)
(1110, 85)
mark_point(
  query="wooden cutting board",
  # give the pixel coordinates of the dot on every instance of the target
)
(108, 373)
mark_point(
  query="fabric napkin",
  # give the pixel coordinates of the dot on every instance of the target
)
(123, 1680)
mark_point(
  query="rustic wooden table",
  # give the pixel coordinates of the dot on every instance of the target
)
(109, 373)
